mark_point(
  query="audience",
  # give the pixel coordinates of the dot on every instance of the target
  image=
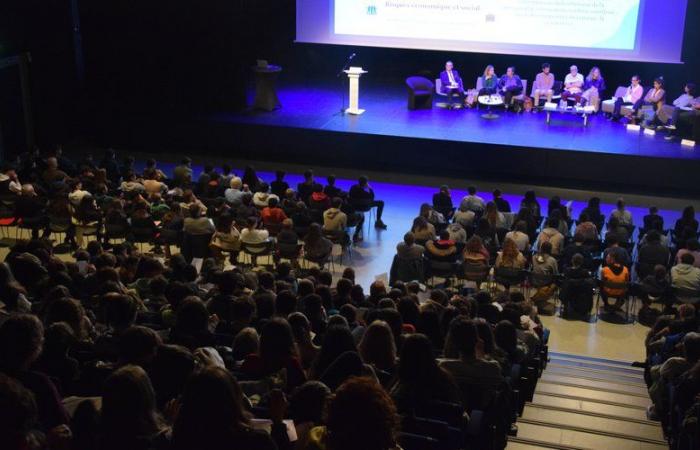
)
(186, 358)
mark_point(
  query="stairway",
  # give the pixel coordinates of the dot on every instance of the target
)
(584, 403)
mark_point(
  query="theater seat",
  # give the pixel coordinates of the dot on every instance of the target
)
(420, 93)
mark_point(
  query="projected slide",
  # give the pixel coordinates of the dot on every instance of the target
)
(604, 24)
(629, 30)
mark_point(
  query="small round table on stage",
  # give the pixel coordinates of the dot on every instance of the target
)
(265, 92)
(489, 101)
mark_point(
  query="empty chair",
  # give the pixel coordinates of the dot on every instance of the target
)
(420, 93)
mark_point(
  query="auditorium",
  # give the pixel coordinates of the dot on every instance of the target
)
(225, 225)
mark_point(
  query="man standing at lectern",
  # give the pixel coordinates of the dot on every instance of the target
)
(452, 84)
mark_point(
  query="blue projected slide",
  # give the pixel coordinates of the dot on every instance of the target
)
(645, 30)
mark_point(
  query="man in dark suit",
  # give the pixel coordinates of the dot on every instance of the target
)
(452, 84)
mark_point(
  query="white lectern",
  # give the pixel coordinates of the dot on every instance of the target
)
(354, 74)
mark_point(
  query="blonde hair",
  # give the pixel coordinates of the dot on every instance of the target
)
(486, 70)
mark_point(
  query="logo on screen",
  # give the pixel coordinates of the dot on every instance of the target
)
(371, 10)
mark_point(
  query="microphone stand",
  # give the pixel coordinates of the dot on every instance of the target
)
(342, 83)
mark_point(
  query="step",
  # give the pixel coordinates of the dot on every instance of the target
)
(592, 374)
(615, 426)
(582, 439)
(589, 406)
(518, 443)
(590, 358)
(616, 368)
(606, 367)
(601, 371)
(582, 393)
(610, 386)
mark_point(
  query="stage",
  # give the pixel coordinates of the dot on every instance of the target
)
(520, 148)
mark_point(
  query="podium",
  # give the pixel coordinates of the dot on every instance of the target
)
(354, 74)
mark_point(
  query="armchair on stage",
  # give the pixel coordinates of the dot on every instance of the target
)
(420, 93)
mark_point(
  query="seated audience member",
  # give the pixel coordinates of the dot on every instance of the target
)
(472, 202)
(475, 253)
(360, 403)
(592, 211)
(543, 262)
(21, 338)
(651, 254)
(251, 234)
(470, 364)
(182, 173)
(442, 202)
(272, 213)
(616, 232)
(52, 175)
(552, 235)
(316, 246)
(616, 272)
(586, 228)
(251, 179)
(306, 187)
(685, 275)
(196, 223)
(443, 249)
(501, 204)
(9, 182)
(31, 209)
(333, 191)
(129, 417)
(510, 257)
(318, 200)
(632, 96)
(520, 236)
(577, 246)
(423, 230)
(656, 98)
(496, 219)
(578, 285)
(692, 246)
(457, 233)
(262, 197)
(621, 253)
(334, 219)
(420, 380)
(451, 83)
(212, 414)
(531, 203)
(464, 217)
(431, 215)
(234, 194)
(573, 85)
(653, 220)
(543, 86)
(687, 223)
(656, 286)
(278, 187)
(593, 88)
(226, 238)
(377, 347)
(622, 214)
(362, 194)
(489, 81)
(408, 249)
(509, 86)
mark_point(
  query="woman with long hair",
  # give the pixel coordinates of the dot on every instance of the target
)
(530, 202)
(593, 88)
(475, 253)
(317, 246)
(12, 293)
(251, 179)
(378, 348)
(419, 379)
(510, 256)
(213, 416)
(489, 81)
(278, 351)
(129, 417)
(422, 229)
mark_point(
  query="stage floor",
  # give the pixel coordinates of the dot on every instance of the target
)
(386, 114)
